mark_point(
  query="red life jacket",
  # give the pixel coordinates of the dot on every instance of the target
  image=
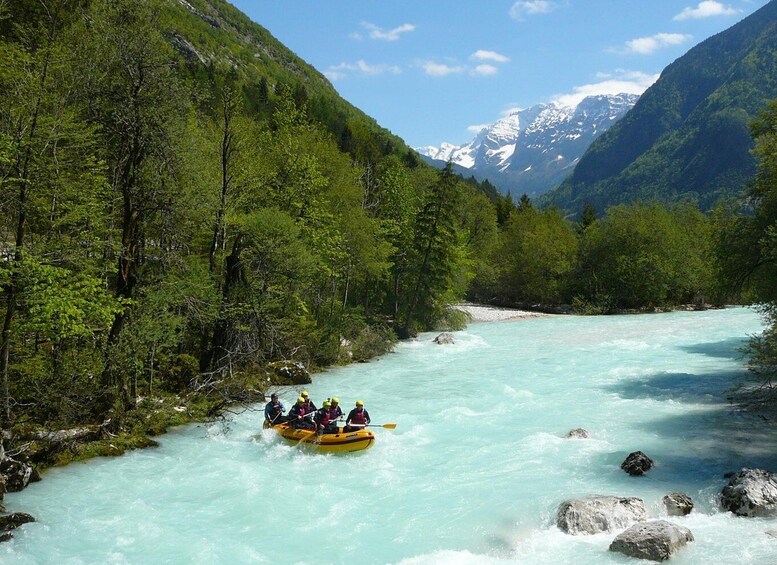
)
(359, 417)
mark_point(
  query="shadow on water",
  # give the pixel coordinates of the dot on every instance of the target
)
(730, 348)
(707, 388)
(711, 438)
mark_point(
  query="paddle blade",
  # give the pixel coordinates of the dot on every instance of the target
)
(389, 426)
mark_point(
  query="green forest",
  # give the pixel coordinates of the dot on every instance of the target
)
(172, 231)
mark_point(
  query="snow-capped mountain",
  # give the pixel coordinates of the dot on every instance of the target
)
(531, 151)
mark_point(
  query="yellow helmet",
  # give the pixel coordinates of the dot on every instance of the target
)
(359, 403)
(304, 393)
(335, 400)
(300, 400)
(327, 404)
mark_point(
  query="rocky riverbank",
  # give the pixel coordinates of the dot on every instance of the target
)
(479, 313)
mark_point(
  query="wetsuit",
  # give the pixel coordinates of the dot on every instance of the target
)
(273, 412)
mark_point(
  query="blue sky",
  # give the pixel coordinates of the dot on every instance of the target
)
(433, 71)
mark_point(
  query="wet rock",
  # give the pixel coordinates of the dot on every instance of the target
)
(678, 504)
(578, 433)
(657, 540)
(16, 474)
(5, 536)
(595, 514)
(291, 372)
(13, 521)
(444, 339)
(637, 463)
(751, 492)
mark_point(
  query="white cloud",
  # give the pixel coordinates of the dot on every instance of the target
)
(387, 35)
(706, 9)
(483, 55)
(435, 69)
(476, 129)
(531, 7)
(334, 75)
(344, 70)
(621, 81)
(647, 45)
(485, 70)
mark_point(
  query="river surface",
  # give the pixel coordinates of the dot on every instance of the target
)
(473, 472)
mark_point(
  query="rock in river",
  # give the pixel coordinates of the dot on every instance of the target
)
(16, 474)
(678, 504)
(444, 339)
(595, 514)
(637, 463)
(751, 492)
(657, 540)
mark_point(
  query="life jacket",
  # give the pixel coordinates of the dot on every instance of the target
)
(322, 417)
(359, 417)
(297, 410)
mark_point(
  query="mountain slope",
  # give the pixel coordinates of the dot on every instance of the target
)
(208, 32)
(531, 151)
(687, 138)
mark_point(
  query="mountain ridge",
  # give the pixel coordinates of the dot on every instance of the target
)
(687, 138)
(532, 150)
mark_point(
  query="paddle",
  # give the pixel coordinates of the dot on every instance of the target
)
(387, 426)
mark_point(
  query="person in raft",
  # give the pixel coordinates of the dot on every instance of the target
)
(335, 412)
(324, 423)
(309, 406)
(273, 411)
(357, 418)
(299, 416)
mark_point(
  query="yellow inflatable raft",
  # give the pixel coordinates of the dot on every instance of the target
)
(326, 443)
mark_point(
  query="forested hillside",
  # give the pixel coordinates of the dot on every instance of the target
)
(190, 213)
(687, 137)
(186, 202)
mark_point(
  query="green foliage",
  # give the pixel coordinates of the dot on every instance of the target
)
(64, 305)
(748, 245)
(532, 260)
(646, 255)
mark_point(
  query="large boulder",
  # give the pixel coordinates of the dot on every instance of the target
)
(678, 504)
(637, 463)
(595, 514)
(291, 372)
(578, 433)
(13, 521)
(444, 339)
(657, 540)
(751, 492)
(15, 473)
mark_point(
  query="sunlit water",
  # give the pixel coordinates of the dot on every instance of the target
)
(473, 473)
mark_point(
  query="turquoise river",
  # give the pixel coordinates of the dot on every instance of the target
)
(473, 472)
